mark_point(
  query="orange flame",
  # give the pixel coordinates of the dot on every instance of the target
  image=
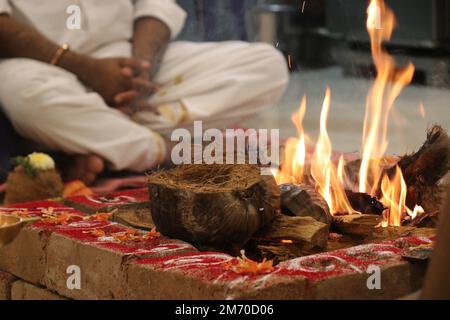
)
(295, 151)
(394, 197)
(329, 180)
(387, 86)
(324, 172)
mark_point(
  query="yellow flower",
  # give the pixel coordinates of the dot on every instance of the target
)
(41, 161)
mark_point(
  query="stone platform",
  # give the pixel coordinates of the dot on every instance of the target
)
(112, 261)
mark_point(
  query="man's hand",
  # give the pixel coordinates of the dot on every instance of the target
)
(112, 76)
(136, 99)
(150, 40)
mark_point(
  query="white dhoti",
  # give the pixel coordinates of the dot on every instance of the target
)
(219, 83)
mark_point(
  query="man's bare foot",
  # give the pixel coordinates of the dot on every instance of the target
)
(85, 168)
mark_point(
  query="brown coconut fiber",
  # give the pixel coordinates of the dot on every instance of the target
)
(213, 206)
(22, 187)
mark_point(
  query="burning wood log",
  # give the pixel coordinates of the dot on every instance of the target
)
(424, 220)
(304, 201)
(364, 203)
(213, 206)
(297, 229)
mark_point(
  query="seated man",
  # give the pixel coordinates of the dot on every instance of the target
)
(103, 83)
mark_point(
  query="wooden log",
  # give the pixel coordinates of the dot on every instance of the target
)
(303, 201)
(213, 206)
(367, 226)
(391, 233)
(356, 224)
(298, 229)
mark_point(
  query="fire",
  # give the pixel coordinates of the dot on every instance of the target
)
(418, 211)
(295, 151)
(386, 88)
(324, 172)
(394, 197)
(330, 180)
(388, 84)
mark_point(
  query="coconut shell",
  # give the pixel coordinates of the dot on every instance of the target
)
(213, 206)
(22, 187)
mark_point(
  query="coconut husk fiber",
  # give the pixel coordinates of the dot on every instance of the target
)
(22, 187)
(217, 206)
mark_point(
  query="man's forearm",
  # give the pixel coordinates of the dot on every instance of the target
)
(21, 41)
(150, 40)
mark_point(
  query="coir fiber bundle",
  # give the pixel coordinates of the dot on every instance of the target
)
(213, 206)
(23, 187)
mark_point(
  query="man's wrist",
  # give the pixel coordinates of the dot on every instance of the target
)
(150, 40)
(76, 63)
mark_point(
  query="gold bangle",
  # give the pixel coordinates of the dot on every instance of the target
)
(59, 53)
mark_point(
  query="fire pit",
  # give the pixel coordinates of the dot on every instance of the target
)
(317, 229)
(327, 203)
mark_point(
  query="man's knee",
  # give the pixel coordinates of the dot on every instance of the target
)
(271, 75)
(33, 88)
(31, 80)
(274, 63)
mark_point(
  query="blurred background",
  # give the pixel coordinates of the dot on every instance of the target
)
(325, 42)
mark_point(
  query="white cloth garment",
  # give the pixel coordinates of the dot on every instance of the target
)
(219, 83)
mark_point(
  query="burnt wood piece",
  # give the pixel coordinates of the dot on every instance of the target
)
(213, 206)
(304, 201)
(364, 203)
(298, 229)
(425, 220)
